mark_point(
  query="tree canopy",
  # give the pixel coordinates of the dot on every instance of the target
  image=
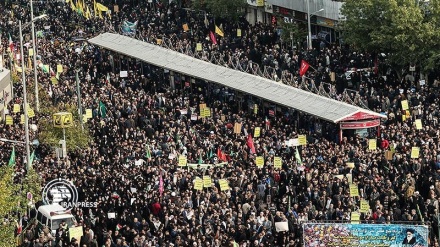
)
(406, 30)
(228, 9)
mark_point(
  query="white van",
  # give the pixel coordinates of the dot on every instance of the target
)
(52, 216)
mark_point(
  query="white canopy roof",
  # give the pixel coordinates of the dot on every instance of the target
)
(313, 104)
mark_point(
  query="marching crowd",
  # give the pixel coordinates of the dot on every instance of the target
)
(131, 167)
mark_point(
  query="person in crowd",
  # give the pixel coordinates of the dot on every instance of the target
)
(131, 167)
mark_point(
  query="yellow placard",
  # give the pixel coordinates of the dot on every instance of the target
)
(31, 52)
(372, 144)
(259, 160)
(364, 207)
(354, 190)
(224, 185)
(16, 109)
(9, 120)
(207, 112)
(60, 68)
(415, 152)
(403, 118)
(404, 105)
(76, 232)
(350, 165)
(183, 161)
(54, 80)
(185, 27)
(302, 140)
(277, 162)
(237, 128)
(62, 120)
(89, 113)
(22, 119)
(238, 32)
(419, 124)
(257, 132)
(255, 109)
(199, 47)
(198, 184)
(355, 217)
(260, 3)
(207, 181)
(31, 113)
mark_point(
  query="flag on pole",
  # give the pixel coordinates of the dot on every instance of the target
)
(118, 227)
(31, 159)
(298, 157)
(87, 15)
(200, 159)
(212, 36)
(250, 143)
(12, 158)
(206, 21)
(148, 154)
(219, 31)
(11, 44)
(95, 12)
(304, 67)
(72, 6)
(102, 109)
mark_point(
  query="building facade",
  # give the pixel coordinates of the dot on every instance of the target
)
(323, 23)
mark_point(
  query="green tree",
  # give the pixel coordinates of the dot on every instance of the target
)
(403, 29)
(31, 183)
(291, 32)
(228, 9)
(76, 137)
(9, 202)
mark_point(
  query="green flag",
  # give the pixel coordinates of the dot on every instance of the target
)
(200, 159)
(12, 159)
(102, 109)
(148, 154)
(31, 159)
(40, 34)
(298, 157)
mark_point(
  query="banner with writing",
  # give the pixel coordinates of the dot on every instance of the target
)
(334, 234)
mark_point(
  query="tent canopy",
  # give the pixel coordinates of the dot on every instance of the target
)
(313, 104)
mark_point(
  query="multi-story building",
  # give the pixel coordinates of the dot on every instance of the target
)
(323, 23)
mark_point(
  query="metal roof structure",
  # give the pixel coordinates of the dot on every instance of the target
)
(313, 104)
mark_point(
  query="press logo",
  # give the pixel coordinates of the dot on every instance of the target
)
(63, 192)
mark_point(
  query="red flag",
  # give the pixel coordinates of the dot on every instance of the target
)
(304, 67)
(212, 36)
(220, 155)
(250, 143)
(161, 185)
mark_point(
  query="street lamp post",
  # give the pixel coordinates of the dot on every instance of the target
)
(26, 117)
(37, 101)
(309, 25)
(23, 74)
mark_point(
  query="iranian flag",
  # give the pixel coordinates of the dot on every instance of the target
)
(11, 44)
(118, 227)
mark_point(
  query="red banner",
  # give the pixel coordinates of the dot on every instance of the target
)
(212, 36)
(304, 67)
(360, 125)
(360, 116)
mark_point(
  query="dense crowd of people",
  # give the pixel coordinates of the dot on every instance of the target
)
(131, 167)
